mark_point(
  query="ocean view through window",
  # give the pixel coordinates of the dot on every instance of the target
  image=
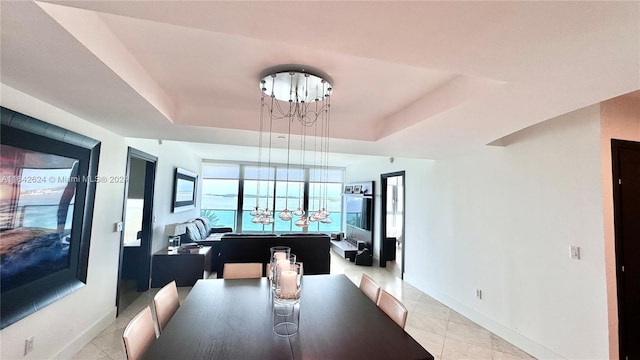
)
(231, 191)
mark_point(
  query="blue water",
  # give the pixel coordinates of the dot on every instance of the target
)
(39, 256)
(45, 216)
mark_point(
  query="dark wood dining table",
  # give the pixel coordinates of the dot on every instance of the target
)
(231, 319)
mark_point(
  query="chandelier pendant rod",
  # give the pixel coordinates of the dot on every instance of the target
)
(327, 114)
(303, 146)
(262, 106)
(315, 156)
(267, 211)
(290, 120)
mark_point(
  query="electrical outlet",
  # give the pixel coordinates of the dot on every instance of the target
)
(28, 345)
(479, 293)
(575, 252)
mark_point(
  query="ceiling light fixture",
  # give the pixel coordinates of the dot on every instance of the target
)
(302, 97)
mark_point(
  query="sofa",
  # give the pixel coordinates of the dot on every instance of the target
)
(313, 250)
(199, 231)
(195, 230)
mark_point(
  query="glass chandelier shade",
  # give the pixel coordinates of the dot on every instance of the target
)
(285, 215)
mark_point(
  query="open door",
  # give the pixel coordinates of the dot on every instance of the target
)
(392, 229)
(626, 201)
(136, 237)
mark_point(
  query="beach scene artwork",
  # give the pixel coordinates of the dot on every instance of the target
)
(37, 198)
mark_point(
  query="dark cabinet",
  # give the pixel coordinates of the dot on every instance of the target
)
(185, 268)
(389, 249)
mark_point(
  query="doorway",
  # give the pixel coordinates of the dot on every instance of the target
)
(136, 235)
(626, 205)
(392, 229)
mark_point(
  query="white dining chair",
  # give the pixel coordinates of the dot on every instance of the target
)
(393, 308)
(242, 270)
(369, 288)
(166, 302)
(139, 334)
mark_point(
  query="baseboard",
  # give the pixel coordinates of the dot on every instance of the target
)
(531, 347)
(86, 336)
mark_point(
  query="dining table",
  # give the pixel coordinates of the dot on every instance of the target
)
(232, 319)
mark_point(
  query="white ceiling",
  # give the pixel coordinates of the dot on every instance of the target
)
(415, 79)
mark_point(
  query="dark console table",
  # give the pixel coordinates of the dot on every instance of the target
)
(183, 267)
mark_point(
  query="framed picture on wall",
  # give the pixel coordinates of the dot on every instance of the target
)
(184, 190)
(49, 177)
(357, 189)
(348, 189)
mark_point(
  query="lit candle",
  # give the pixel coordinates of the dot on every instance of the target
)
(288, 283)
(282, 265)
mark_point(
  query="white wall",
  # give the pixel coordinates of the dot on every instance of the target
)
(63, 327)
(416, 172)
(502, 219)
(170, 155)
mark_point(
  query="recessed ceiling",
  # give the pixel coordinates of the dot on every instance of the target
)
(414, 79)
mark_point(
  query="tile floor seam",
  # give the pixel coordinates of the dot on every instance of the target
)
(444, 340)
(104, 353)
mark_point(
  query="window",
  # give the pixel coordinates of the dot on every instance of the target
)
(230, 192)
(220, 195)
(333, 205)
(255, 194)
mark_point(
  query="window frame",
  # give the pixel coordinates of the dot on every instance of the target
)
(242, 178)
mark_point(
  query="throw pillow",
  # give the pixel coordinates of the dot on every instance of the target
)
(205, 221)
(200, 225)
(193, 233)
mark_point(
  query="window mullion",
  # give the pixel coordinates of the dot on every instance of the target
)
(305, 200)
(273, 207)
(240, 204)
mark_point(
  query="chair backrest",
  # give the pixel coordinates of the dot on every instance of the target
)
(242, 270)
(139, 334)
(394, 308)
(166, 303)
(369, 288)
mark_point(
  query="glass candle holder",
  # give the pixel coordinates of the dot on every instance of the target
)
(277, 253)
(286, 318)
(283, 265)
(287, 282)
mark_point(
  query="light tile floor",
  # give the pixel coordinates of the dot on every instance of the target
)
(446, 334)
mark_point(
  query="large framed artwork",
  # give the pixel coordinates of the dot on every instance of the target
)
(48, 178)
(184, 190)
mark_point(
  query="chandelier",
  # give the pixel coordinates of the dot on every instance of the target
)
(302, 98)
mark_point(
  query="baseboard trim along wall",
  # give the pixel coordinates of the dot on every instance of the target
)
(531, 347)
(75, 345)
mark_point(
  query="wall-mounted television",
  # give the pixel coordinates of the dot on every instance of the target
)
(359, 211)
